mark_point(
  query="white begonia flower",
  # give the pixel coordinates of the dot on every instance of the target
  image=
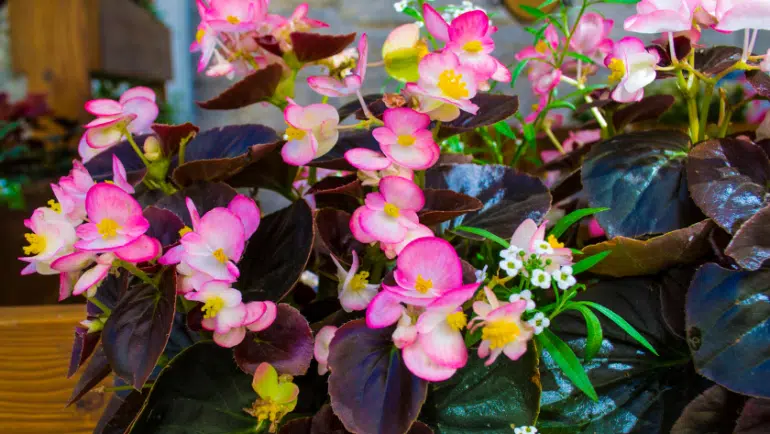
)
(523, 295)
(539, 322)
(564, 278)
(541, 279)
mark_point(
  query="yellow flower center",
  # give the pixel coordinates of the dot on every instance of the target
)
(535, 107)
(423, 286)
(269, 410)
(212, 307)
(220, 256)
(542, 46)
(554, 242)
(500, 333)
(108, 228)
(422, 49)
(295, 133)
(406, 140)
(457, 320)
(233, 19)
(54, 205)
(359, 281)
(184, 231)
(392, 210)
(199, 35)
(473, 47)
(452, 84)
(617, 69)
(36, 244)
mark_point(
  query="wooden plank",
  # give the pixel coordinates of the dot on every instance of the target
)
(34, 353)
(49, 44)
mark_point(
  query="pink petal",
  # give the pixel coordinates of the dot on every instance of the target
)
(91, 278)
(73, 262)
(329, 86)
(444, 346)
(366, 159)
(471, 25)
(267, 318)
(86, 152)
(381, 226)
(384, 135)
(231, 338)
(412, 157)
(103, 137)
(146, 112)
(363, 55)
(435, 23)
(103, 121)
(300, 152)
(142, 250)
(375, 201)
(110, 201)
(403, 120)
(322, 340)
(103, 107)
(221, 229)
(402, 193)
(247, 211)
(355, 227)
(434, 259)
(195, 217)
(137, 92)
(383, 311)
(523, 235)
(173, 256)
(119, 175)
(515, 349)
(418, 362)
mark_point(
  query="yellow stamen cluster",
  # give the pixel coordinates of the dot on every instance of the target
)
(268, 410)
(618, 70)
(233, 19)
(500, 333)
(473, 47)
(406, 140)
(391, 210)
(36, 244)
(54, 205)
(359, 281)
(457, 320)
(554, 242)
(220, 256)
(452, 85)
(199, 35)
(422, 285)
(108, 228)
(212, 307)
(184, 231)
(294, 133)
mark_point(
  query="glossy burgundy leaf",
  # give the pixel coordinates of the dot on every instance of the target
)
(728, 180)
(287, 344)
(171, 136)
(95, 371)
(713, 411)
(256, 87)
(326, 422)
(750, 247)
(310, 47)
(349, 185)
(493, 108)
(755, 417)
(640, 177)
(206, 197)
(632, 257)
(138, 329)
(371, 389)
(760, 82)
(508, 198)
(120, 412)
(270, 43)
(682, 46)
(443, 205)
(277, 253)
(568, 186)
(220, 153)
(728, 328)
(714, 60)
(164, 225)
(649, 108)
(335, 159)
(333, 228)
(82, 347)
(100, 167)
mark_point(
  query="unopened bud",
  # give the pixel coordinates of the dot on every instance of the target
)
(152, 149)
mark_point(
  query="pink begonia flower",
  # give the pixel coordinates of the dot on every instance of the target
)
(406, 138)
(311, 132)
(134, 112)
(545, 83)
(115, 219)
(659, 16)
(52, 237)
(394, 249)
(321, 347)
(529, 238)
(445, 85)
(233, 15)
(632, 67)
(385, 310)
(226, 314)
(537, 108)
(355, 291)
(330, 86)
(592, 36)
(71, 192)
(388, 214)
(541, 55)
(206, 43)
(594, 229)
(406, 330)
(426, 269)
(373, 166)
(503, 331)
(469, 36)
(732, 15)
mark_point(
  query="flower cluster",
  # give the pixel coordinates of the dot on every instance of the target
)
(206, 260)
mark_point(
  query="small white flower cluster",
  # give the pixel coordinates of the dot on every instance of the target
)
(525, 295)
(453, 11)
(515, 261)
(525, 430)
(512, 261)
(539, 322)
(401, 5)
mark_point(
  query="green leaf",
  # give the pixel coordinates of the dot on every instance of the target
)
(535, 12)
(567, 361)
(593, 330)
(582, 57)
(505, 129)
(587, 263)
(484, 233)
(620, 322)
(529, 132)
(412, 12)
(572, 218)
(517, 71)
(546, 3)
(561, 104)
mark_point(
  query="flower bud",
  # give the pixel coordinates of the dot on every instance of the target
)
(152, 149)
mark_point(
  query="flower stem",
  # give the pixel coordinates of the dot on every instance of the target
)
(136, 147)
(705, 107)
(95, 301)
(554, 140)
(131, 268)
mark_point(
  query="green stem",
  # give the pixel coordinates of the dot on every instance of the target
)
(554, 140)
(100, 305)
(376, 275)
(705, 107)
(124, 388)
(136, 147)
(131, 268)
(311, 177)
(692, 106)
(419, 178)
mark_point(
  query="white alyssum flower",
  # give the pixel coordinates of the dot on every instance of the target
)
(525, 430)
(400, 5)
(539, 322)
(511, 252)
(511, 266)
(310, 279)
(523, 295)
(564, 278)
(481, 275)
(543, 248)
(541, 279)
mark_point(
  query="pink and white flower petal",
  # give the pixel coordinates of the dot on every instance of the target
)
(381, 226)
(419, 364)
(138, 92)
(321, 347)
(119, 175)
(405, 333)
(221, 229)
(435, 23)
(332, 87)
(394, 249)
(103, 137)
(353, 300)
(103, 107)
(431, 259)
(145, 110)
(414, 157)
(247, 211)
(363, 56)
(195, 216)
(357, 230)
(264, 321)
(444, 345)
(402, 193)
(143, 249)
(515, 349)
(404, 121)
(91, 278)
(231, 337)
(109, 201)
(384, 310)
(300, 152)
(73, 262)
(367, 159)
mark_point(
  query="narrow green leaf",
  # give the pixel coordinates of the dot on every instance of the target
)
(546, 3)
(529, 132)
(472, 338)
(561, 104)
(535, 12)
(503, 128)
(579, 56)
(586, 90)
(593, 329)
(589, 262)
(572, 218)
(517, 71)
(412, 12)
(483, 233)
(617, 319)
(568, 362)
